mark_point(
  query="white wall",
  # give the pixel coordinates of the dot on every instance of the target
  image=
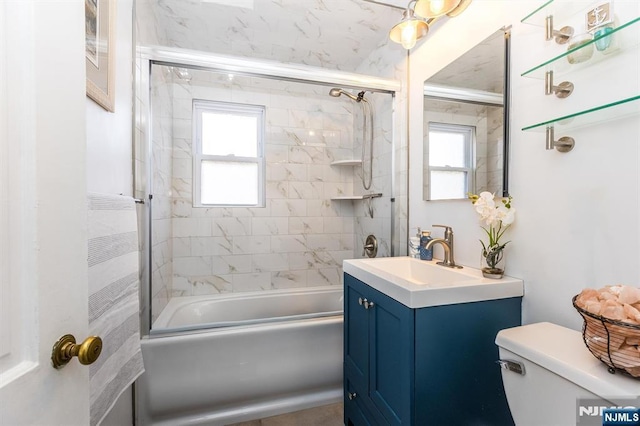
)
(578, 216)
(109, 135)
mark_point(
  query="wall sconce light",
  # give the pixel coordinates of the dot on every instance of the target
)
(415, 20)
(410, 29)
(435, 8)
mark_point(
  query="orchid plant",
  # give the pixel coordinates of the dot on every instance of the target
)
(497, 216)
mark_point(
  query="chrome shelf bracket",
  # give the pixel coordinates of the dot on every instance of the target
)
(562, 90)
(564, 144)
(561, 36)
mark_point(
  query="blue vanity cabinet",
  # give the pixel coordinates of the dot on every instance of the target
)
(426, 366)
(378, 345)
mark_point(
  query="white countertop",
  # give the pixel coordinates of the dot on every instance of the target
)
(420, 283)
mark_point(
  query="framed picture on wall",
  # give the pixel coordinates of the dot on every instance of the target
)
(100, 47)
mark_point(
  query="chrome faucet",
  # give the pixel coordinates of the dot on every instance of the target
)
(447, 245)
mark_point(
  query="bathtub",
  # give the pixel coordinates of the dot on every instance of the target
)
(249, 356)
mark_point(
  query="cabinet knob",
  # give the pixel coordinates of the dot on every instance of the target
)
(365, 303)
(351, 395)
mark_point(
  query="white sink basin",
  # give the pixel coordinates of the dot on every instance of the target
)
(420, 283)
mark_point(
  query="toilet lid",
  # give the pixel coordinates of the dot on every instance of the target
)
(563, 352)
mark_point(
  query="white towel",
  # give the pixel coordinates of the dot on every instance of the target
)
(113, 299)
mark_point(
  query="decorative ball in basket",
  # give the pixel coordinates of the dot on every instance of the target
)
(611, 328)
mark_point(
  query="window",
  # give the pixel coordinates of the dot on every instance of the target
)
(450, 160)
(228, 154)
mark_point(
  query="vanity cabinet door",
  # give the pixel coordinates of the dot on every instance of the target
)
(354, 408)
(378, 355)
(356, 335)
(391, 342)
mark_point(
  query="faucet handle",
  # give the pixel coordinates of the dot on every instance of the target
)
(448, 231)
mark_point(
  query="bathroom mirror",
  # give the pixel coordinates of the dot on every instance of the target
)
(466, 123)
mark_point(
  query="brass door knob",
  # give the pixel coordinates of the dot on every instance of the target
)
(66, 348)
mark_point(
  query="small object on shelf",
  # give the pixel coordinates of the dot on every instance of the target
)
(621, 37)
(603, 39)
(425, 253)
(580, 48)
(600, 24)
(599, 16)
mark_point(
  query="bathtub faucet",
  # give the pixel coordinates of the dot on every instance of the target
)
(447, 245)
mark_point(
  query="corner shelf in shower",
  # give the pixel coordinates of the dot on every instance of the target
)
(559, 64)
(358, 197)
(346, 163)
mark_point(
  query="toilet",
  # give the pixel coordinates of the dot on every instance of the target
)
(547, 369)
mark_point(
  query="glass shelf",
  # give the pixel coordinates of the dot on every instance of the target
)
(608, 112)
(560, 65)
(560, 11)
(346, 163)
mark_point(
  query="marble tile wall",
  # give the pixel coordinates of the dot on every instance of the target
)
(301, 236)
(380, 224)
(495, 146)
(390, 60)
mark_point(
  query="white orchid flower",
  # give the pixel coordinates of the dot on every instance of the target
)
(497, 216)
(509, 217)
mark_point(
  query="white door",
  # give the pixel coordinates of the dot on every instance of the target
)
(43, 211)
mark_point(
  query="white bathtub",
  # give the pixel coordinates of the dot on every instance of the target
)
(252, 366)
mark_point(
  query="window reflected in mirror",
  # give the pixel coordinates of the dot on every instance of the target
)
(450, 160)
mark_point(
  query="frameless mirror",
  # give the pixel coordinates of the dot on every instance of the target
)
(466, 125)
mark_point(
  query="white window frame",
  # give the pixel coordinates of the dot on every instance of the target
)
(199, 107)
(469, 133)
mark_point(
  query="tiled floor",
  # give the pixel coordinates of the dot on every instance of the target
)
(327, 415)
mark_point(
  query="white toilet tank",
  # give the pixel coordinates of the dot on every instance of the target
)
(559, 370)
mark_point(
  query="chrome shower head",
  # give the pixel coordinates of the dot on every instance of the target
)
(335, 92)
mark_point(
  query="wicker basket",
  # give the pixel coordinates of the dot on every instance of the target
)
(604, 337)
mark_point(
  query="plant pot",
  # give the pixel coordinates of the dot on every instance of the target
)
(492, 263)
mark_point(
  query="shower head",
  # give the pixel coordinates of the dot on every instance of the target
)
(335, 92)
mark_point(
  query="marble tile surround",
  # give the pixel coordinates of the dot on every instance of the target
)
(301, 237)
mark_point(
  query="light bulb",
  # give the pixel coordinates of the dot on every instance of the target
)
(436, 6)
(408, 37)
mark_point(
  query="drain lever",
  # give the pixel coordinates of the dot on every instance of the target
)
(515, 366)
